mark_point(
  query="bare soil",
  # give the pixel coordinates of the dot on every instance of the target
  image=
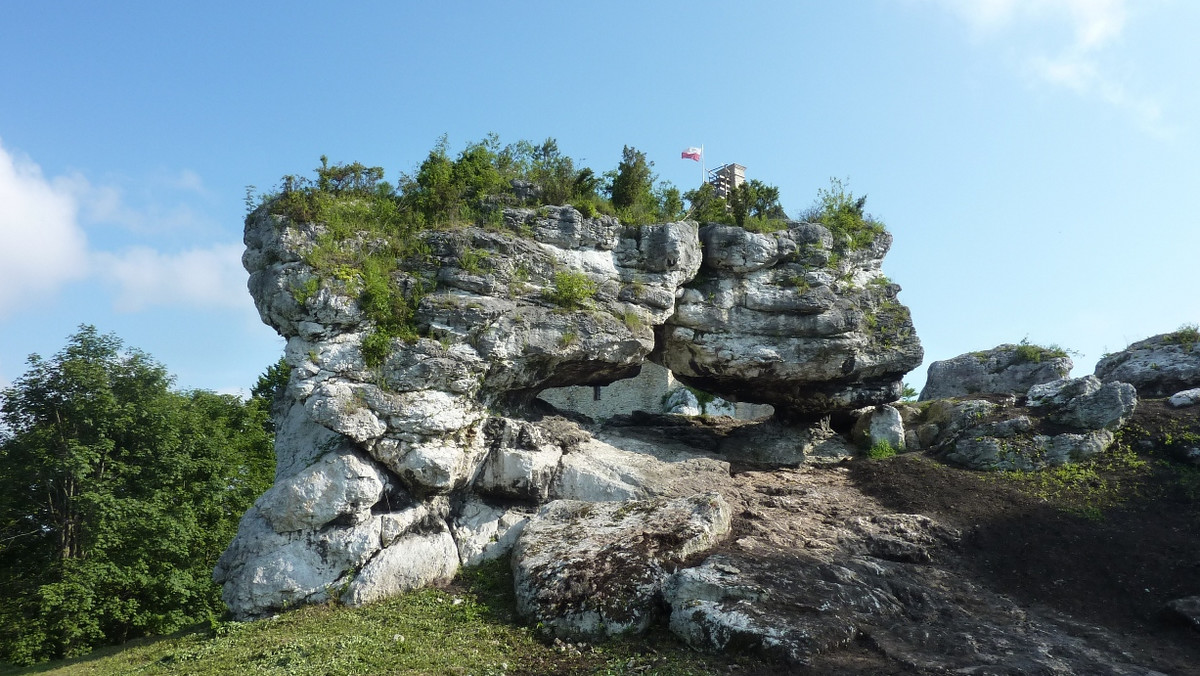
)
(1115, 570)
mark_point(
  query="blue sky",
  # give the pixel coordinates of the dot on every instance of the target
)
(1036, 160)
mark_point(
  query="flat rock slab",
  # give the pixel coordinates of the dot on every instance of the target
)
(588, 570)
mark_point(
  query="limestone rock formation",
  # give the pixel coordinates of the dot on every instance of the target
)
(1063, 421)
(788, 319)
(814, 566)
(1004, 369)
(1158, 366)
(403, 455)
(597, 569)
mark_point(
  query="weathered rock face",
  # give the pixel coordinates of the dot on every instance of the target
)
(815, 566)
(1063, 421)
(597, 569)
(882, 423)
(1005, 369)
(1158, 366)
(393, 472)
(782, 319)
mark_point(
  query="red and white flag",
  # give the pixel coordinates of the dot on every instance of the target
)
(691, 154)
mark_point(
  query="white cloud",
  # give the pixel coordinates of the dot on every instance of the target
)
(203, 277)
(1092, 22)
(44, 246)
(1083, 33)
(41, 244)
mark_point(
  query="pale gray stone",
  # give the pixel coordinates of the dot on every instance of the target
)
(1185, 398)
(341, 485)
(1158, 366)
(769, 324)
(1000, 370)
(881, 423)
(263, 571)
(522, 463)
(415, 560)
(595, 569)
(483, 531)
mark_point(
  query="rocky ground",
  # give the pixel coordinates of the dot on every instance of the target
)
(907, 566)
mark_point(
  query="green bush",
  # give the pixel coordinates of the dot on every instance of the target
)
(119, 496)
(839, 210)
(571, 289)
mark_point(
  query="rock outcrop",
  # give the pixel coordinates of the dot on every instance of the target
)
(403, 454)
(790, 319)
(1066, 420)
(1005, 369)
(1158, 366)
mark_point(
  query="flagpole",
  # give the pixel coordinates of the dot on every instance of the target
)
(703, 166)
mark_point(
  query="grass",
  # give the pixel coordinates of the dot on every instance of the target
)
(468, 628)
(1186, 336)
(1087, 488)
(1027, 352)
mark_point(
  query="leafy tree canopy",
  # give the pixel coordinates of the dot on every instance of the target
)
(119, 494)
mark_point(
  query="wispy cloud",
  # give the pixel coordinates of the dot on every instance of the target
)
(203, 277)
(42, 246)
(108, 205)
(1082, 34)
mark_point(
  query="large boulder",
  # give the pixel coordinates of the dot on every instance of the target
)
(589, 570)
(793, 320)
(1004, 369)
(1158, 366)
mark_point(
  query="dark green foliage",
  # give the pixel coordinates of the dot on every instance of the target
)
(119, 495)
(881, 449)
(634, 180)
(670, 201)
(755, 206)
(272, 382)
(707, 206)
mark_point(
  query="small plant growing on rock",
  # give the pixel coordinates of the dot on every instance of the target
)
(473, 260)
(632, 319)
(1187, 336)
(571, 290)
(839, 210)
(1027, 352)
(881, 449)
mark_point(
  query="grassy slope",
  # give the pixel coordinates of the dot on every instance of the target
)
(468, 628)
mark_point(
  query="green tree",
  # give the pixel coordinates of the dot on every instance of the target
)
(757, 200)
(119, 496)
(634, 181)
(706, 205)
